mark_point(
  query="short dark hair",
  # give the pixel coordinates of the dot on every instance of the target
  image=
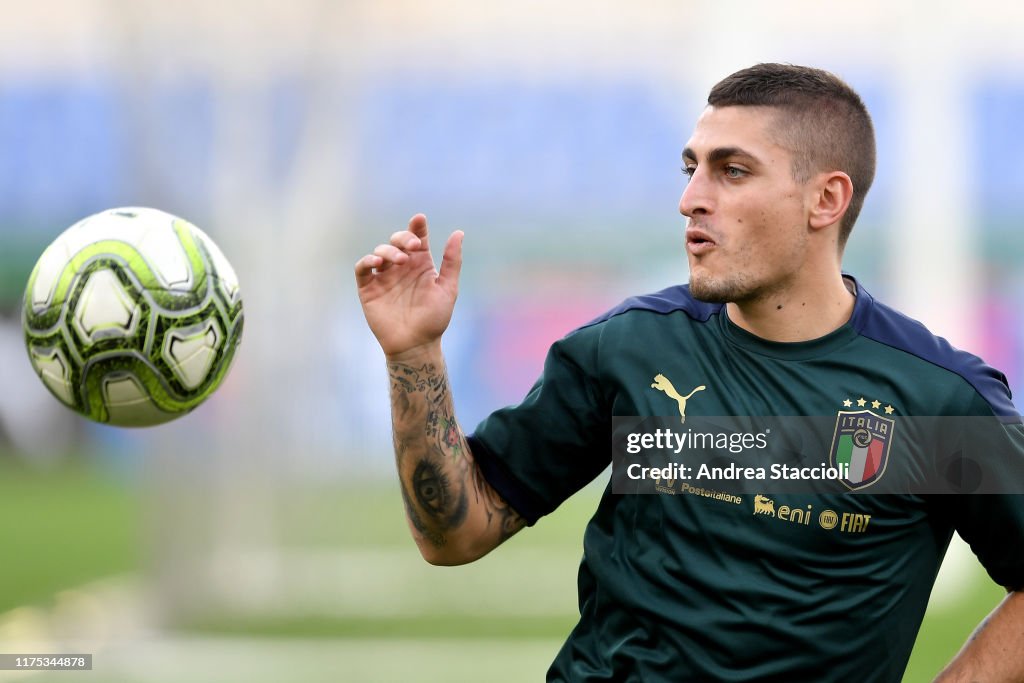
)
(823, 121)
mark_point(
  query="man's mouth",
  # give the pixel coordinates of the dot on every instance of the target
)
(698, 241)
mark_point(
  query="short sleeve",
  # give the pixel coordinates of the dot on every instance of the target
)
(538, 453)
(993, 523)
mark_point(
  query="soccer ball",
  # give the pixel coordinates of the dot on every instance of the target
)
(132, 317)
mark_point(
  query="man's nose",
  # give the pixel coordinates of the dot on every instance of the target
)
(696, 198)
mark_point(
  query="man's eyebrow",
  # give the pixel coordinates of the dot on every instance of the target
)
(720, 153)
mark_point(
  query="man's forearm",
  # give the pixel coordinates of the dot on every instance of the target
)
(995, 651)
(447, 501)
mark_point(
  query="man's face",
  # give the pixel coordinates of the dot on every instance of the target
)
(747, 233)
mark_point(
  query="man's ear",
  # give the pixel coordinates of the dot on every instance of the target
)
(833, 192)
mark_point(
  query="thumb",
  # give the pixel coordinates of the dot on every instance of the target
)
(451, 262)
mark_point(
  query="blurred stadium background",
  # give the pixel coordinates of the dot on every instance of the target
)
(262, 537)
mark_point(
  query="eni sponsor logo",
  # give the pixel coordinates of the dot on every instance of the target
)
(829, 520)
(763, 506)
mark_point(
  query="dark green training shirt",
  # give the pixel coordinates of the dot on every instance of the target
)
(706, 587)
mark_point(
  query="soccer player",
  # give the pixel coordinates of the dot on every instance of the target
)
(698, 587)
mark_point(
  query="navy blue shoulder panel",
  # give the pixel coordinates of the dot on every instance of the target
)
(668, 300)
(874, 320)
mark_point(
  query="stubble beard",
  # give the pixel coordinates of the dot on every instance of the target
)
(744, 285)
(735, 289)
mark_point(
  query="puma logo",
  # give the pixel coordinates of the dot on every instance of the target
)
(661, 383)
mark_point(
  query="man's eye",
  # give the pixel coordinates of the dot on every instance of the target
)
(688, 171)
(734, 172)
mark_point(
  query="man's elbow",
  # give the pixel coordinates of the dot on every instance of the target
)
(450, 554)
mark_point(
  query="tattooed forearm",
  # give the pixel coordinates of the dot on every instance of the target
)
(429, 450)
(442, 487)
(412, 513)
(434, 493)
(498, 511)
(422, 405)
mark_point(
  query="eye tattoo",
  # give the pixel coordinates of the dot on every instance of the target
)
(431, 488)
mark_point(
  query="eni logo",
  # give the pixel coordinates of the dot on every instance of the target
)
(763, 505)
(661, 383)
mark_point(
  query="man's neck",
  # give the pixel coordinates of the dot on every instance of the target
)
(797, 314)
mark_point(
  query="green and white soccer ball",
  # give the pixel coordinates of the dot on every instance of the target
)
(132, 317)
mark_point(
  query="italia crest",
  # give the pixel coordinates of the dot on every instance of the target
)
(861, 443)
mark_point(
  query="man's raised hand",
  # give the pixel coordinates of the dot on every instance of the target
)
(407, 302)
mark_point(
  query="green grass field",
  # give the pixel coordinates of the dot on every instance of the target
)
(359, 604)
(61, 529)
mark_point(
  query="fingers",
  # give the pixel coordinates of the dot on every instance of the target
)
(402, 244)
(414, 238)
(383, 257)
(418, 226)
(451, 262)
(365, 267)
(393, 253)
(405, 240)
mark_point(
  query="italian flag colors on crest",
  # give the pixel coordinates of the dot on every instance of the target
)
(861, 443)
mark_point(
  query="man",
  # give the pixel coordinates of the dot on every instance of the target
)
(698, 587)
